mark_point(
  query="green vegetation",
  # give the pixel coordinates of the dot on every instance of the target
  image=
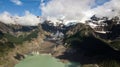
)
(1, 35)
(21, 38)
(6, 46)
(109, 63)
(31, 35)
(116, 44)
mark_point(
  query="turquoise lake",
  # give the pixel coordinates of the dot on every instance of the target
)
(43, 61)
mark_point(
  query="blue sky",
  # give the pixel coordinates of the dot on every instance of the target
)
(29, 5)
(100, 2)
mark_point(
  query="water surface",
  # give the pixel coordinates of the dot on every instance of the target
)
(43, 61)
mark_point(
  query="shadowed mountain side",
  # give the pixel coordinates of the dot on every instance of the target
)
(85, 47)
(90, 50)
(49, 27)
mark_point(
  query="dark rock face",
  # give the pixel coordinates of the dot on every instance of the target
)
(19, 56)
(49, 27)
(1, 34)
(90, 51)
(115, 32)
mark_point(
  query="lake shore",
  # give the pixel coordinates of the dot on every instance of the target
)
(39, 46)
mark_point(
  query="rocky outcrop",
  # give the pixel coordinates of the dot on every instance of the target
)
(19, 56)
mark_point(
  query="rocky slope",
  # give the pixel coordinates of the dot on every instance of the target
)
(15, 29)
(17, 40)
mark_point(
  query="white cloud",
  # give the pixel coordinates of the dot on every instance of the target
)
(17, 2)
(65, 9)
(71, 9)
(109, 9)
(27, 19)
(6, 18)
(79, 9)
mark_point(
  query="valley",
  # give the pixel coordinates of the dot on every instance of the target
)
(78, 43)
